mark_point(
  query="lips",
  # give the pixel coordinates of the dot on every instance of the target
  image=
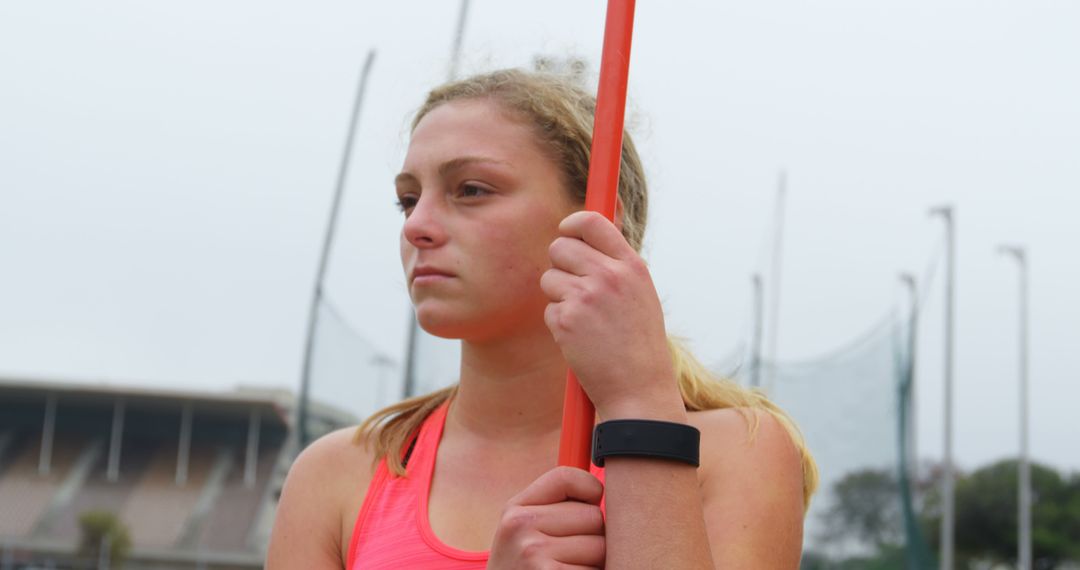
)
(427, 273)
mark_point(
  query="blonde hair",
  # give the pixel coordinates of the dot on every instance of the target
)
(561, 114)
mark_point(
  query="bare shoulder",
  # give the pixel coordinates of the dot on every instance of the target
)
(752, 487)
(321, 498)
(738, 443)
(752, 435)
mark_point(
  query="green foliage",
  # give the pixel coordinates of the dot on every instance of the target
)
(98, 527)
(867, 510)
(886, 558)
(986, 515)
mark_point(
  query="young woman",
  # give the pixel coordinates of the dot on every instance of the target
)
(497, 252)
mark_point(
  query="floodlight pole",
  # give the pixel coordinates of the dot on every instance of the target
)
(459, 36)
(755, 356)
(948, 492)
(408, 384)
(328, 240)
(1024, 512)
(777, 266)
(913, 324)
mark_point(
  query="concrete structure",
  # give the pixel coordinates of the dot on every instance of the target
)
(194, 476)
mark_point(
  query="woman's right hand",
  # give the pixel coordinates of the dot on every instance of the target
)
(554, 523)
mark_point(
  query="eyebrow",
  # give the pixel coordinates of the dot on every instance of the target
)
(452, 165)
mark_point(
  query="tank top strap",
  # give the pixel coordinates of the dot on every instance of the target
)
(422, 462)
(392, 529)
(418, 470)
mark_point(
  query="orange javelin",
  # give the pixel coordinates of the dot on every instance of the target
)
(575, 445)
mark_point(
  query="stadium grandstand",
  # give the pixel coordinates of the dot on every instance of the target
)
(193, 476)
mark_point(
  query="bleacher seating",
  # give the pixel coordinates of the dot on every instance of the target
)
(100, 494)
(214, 520)
(158, 507)
(24, 492)
(229, 524)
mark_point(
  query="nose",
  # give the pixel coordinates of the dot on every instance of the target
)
(424, 227)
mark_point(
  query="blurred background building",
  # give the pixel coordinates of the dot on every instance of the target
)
(192, 478)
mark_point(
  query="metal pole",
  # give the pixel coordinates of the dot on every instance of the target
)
(459, 36)
(328, 240)
(183, 452)
(409, 387)
(48, 429)
(913, 327)
(113, 471)
(774, 300)
(252, 456)
(755, 357)
(948, 498)
(1024, 509)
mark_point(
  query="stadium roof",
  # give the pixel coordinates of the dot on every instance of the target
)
(278, 402)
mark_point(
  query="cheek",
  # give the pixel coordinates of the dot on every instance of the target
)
(519, 254)
(406, 250)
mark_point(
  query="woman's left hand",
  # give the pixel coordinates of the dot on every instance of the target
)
(606, 316)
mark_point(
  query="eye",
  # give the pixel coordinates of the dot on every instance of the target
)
(470, 190)
(405, 203)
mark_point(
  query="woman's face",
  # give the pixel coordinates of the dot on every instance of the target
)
(482, 203)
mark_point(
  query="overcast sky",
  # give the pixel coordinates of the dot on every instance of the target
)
(166, 170)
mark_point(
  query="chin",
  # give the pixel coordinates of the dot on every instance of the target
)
(476, 328)
(443, 325)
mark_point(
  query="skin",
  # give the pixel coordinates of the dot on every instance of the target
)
(532, 286)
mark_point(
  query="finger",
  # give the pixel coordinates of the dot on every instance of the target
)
(581, 550)
(562, 484)
(599, 232)
(575, 256)
(558, 284)
(568, 518)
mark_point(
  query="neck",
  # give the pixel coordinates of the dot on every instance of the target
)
(511, 389)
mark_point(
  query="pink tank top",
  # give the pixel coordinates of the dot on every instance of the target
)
(392, 530)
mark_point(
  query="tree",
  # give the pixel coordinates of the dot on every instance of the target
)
(866, 507)
(103, 528)
(986, 515)
(866, 510)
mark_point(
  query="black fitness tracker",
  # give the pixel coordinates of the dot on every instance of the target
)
(646, 438)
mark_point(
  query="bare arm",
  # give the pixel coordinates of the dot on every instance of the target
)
(321, 498)
(752, 491)
(744, 509)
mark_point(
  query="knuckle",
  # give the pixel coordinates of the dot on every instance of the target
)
(590, 294)
(596, 519)
(570, 314)
(516, 519)
(609, 276)
(533, 549)
(637, 265)
(563, 473)
(601, 548)
(556, 247)
(546, 280)
(553, 319)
